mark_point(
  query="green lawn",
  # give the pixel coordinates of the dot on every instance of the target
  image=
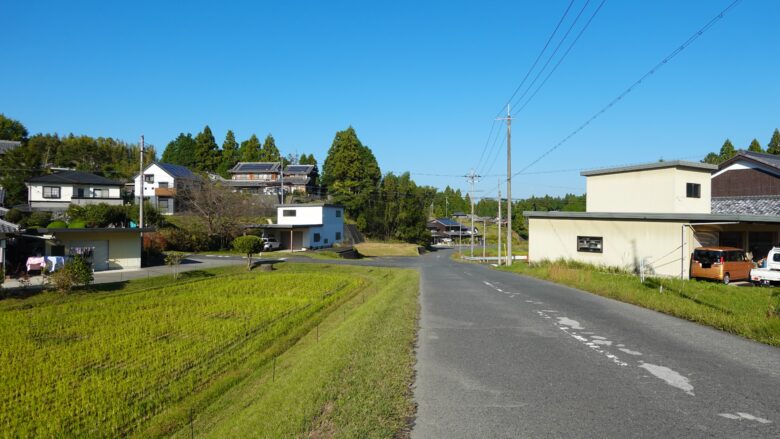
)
(146, 357)
(380, 249)
(751, 312)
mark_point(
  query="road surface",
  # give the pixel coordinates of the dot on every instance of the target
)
(501, 355)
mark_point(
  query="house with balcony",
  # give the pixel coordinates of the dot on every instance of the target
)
(55, 192)
(267, 178)
(159, 184)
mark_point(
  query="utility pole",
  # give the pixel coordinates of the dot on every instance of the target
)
(484, 238)
(499, 222)
(472, 178)
(281, 180)
(446, 207)
(508, 120)
(141, 189)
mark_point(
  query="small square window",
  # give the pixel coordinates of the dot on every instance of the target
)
(338, 213)
(149, 178)
(163, 184)
(289, 212)
(51, 192)
(338, 236)
(316, 237)
(162, 203)
(693, 190)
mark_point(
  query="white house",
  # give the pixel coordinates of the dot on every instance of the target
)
(57, 191)
(307, 226)
(160, 182)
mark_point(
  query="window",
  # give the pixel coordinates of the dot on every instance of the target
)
(51, 192)
(98, 193)
(776, 257)
(590, 244)
(693, 190)
(338, 213)
(162, 203)
(289, 212)
(163, 184)
(338, 236)
(149, 178)
(316, 237)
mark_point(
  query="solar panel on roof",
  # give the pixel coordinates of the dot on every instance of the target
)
(257, 167)
(448, 222)
(298, 168)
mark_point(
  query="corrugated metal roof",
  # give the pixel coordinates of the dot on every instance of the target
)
(766, 159)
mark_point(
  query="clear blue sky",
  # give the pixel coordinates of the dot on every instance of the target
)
(419, 81)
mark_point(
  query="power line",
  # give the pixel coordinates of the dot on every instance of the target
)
(636, 83)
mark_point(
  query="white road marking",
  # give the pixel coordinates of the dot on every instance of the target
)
(602, 342)
(573, 324)
(629, 351)
(747, 416)
(670, 376)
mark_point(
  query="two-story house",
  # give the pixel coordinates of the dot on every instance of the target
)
(651, 216)
(55, 192)
(160, 182)
(307, 226)
(267, 178)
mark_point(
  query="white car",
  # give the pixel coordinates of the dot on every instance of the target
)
(270, 243)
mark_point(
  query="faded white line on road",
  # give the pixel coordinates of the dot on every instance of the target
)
(747, 416)
(670, 376)
(573, 324)
(629, 351)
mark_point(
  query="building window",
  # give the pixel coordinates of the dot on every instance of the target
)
(338, 236)
(338, 213)
(98, 193)
(51, 192)
(590, 244)
(149, 178)
(163, 184)
(289, 212)
(693, 190)
(316, 237)
(162, 203)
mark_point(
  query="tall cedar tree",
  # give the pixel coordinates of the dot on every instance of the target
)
(755, 146)
(249, 151)
(352, 175)
(270, 153)
(229, 156)
(773, 147)
(181, 151)
(727, 151)
(206, 151)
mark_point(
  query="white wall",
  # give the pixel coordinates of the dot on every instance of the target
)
(159, 176)
(67, 192)
(648, 191)
(303, 215)
(625, 243)
(124, 246)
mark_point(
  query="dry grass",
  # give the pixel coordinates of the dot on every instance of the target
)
(378, 249)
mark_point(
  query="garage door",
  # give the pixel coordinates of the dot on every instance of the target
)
(99, 252)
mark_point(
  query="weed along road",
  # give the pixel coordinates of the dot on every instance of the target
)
(501, 355)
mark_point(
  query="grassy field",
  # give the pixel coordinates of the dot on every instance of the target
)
(147, 357)
(378, 249)
(751, 312)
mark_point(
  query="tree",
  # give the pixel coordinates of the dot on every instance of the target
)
(773, 147)
(173, 259)
(727, 151)
(755, 146)
(181, 151)
(248, 245)
(206, 151)
(11, 129)
(712, 158)
(269, 152)
(352, 175)
(229, 156)
(218, 208)
(249, 151)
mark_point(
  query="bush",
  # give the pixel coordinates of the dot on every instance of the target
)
(15, 215)
(77, 224)
(76, 272)
(39, 219)
(57, 225)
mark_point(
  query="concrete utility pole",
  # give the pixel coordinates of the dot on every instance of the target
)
(471, 178)
(281, 180)
(141, 187)
(499, 222)
(484, 240)
(508, 120)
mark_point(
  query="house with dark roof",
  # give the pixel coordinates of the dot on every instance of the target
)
(8, 145)
(267, 178)
(447, 231)
(55, 192)
(160, 183)
(748, 183)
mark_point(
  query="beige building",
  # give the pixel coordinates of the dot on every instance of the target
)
(650, 216)
(105, 249)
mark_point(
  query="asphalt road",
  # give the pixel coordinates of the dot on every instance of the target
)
(501, 355)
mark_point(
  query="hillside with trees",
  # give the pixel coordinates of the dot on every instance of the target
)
(728, 151)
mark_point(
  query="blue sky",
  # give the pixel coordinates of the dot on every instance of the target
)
(420, 81)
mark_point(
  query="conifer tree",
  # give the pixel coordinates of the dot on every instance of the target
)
(773, 147)
(229, 156)
(206, 151)
(249, 151)
(727, 151)
(269, 152)
(755, 146)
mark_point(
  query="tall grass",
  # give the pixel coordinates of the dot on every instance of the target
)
(751, 312)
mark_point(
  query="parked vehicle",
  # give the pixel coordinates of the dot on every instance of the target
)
(723, 264)
(270, 243)
(768, 271)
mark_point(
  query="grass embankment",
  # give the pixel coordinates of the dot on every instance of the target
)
(379, 249)
(145, 357)
(747, 311)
